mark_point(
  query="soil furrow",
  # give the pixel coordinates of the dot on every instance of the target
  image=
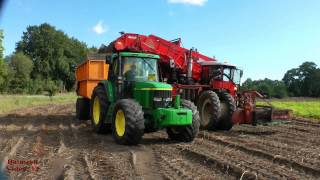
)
(190, 167)
(265, 155)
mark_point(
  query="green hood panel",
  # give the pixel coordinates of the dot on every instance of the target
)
(151, 85)
(143, 92)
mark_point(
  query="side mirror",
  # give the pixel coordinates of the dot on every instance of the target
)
(241, 73)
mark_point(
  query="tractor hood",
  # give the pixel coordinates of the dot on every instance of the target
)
(148, 91)
(151, 85)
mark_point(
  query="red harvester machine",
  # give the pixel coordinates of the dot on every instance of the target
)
(211, 85)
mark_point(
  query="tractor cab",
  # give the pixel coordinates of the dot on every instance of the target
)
(221, 76)
(129, 70)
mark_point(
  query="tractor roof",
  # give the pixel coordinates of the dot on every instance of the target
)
(214, 63)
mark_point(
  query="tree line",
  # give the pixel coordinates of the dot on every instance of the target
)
(303, 81)
(45, 59)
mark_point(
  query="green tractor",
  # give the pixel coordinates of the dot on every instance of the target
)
(132, 101)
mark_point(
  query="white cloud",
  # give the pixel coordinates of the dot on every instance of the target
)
(191, 2)
(99, 28)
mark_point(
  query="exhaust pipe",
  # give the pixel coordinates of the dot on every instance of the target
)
(190, 64)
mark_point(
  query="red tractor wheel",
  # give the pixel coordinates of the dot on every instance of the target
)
(227, 107)
(209, 109)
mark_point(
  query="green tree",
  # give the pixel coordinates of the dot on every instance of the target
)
(1, 44)
(248, 85)
(303, 81)
(4, 74)
(3, 66)
(51, 87)
(267, 87)
(21, 65)
(20, 69)
(279, 89)
(54, 54)
(292, 81)
(315, 85)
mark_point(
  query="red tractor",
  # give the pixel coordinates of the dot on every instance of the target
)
(205, 81)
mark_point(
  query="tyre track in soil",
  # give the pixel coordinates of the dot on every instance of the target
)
(306, 122)
(104, 158)
(298, 132)
(73, 156)
(257, 165)
(295, 169)
(13, 139)
(175, 165)
(41, 146)
(37, 140)
(200, 162)
(301, 154)
(283, 133)
(285, 168)
(274, 142)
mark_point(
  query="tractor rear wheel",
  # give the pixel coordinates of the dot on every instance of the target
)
(186, 133)
(98, 110)
(209, 109)
(228, 106)
(83, 108)
(128, 122)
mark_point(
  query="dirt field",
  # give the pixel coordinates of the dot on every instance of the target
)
(62, 148)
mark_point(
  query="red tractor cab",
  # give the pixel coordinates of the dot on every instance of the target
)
(221, 76)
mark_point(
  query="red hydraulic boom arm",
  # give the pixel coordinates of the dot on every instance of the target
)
(183, 59)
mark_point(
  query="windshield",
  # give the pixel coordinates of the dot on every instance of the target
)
(227, 74)
(236, 76)
(232, 74)
(139, 69)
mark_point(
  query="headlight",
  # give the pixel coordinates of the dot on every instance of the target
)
(235, 88)
(168, 99)
(157, 99)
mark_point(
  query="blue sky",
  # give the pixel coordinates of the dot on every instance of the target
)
(264, 37)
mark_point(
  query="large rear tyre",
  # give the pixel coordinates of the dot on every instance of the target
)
(128, 122)
(228, 106)
(209, 109)
(83, 109)
(186, 133)
(98, 110)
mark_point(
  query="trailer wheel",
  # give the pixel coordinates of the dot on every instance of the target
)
(83, 108)
(98, 110)
(128, 122)
(209, 109)
(186, 133)
(227, 108)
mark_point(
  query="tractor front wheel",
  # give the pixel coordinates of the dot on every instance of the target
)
(186, 133)
(128, 122)
(209, 109)
(227, 108)
(98, 111)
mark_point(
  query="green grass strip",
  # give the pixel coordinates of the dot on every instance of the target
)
(12, 102)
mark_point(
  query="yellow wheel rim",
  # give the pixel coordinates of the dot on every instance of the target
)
(96, 110)
(120, 123)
